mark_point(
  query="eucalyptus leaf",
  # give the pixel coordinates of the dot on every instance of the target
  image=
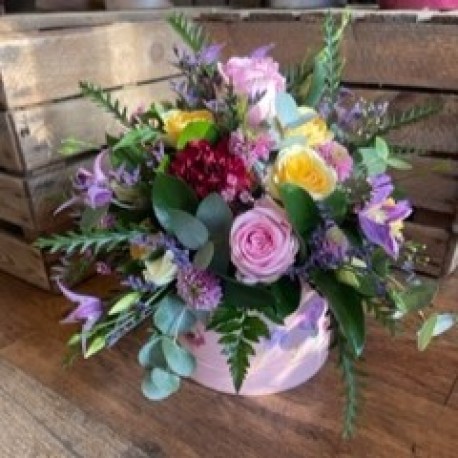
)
(178, 359)
(398, 163)
(171, 193)
(204, 255)
(444, 322)
(165, 380)
(151, 355)
(151, 391)
(125, 303)
(192, 233)
(172, 317)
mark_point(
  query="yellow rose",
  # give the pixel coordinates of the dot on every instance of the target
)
(161, 271)
(304, 167)
(175, 121)
(315, 131)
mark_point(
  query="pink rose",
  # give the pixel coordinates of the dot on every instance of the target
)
(263, 245)
(253, 76)
(338, 158)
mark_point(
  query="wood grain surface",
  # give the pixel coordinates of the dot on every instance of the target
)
(409, 408)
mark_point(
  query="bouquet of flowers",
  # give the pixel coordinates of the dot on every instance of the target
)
(217, 211)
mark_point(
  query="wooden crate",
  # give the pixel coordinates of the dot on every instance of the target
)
(44, 106)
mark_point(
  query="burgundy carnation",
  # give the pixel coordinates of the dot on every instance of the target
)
(207, 168)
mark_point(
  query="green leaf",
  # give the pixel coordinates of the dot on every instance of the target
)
(345, 303)
(302, 210)
(375, 158)
(238, 294)
(426, 332)
(444, 322)
(75, 339)
(165, 381)
(317, 83)
(178, 359)
(171, 193)
(197, 130)
(416, 297)
(151, 391)
(91, 217)
(398, 163)
(254, 329)
(287, 294)
(125, 303)
(151, 354)
(337, 204)
(172, 317)
(204, 256)
(363, 282)
(381, 262)
(214, 212)
(97, 344)
(136, 137)
(188, 229)
(192, 34)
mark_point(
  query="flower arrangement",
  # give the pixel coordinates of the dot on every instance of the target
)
(215, 211)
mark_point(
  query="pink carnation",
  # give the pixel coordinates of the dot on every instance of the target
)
(263, 245)
(252, 77)
(338, 158)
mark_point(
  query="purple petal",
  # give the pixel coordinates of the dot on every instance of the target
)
(210, 54)
(262, 51)
(400, 211)
(99, 175)
(98, 196)
(379, 234)
(74, 200)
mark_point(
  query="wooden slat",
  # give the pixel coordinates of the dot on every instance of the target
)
(14, 202)
(29, 202)
(437, 133)
(431, 184)
(436, 241)
(10, 157)
(397, 53)
(44, 66)
(20, 259)
(40, 130)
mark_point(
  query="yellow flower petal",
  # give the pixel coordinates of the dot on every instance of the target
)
(175, 121)
(315, 131)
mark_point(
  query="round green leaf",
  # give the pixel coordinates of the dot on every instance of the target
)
(151, 391)
(165, 380)
(172, 317)
(178, 359)
(151, 355)
(204, 256)
(188, 229)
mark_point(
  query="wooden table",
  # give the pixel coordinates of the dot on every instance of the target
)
(96, 408)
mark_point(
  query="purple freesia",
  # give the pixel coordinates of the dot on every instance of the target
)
(381, 219)
(89, 310)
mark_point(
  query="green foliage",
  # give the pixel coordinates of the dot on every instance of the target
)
(375, 158)
(104, 99)
(173, 317)
(436, 324)
(171, 193)
(239, 330)
(192, 34)
(136, 138)
(296, 77)
(301, 208)
(198, 130)
(191, 232)
(346, 305)
(151, 354)
(337, 205)
(71, 145)
(332, 63)
(124, 303)
(349, 376)
(382, 312)
(410, 116)
(178, 359)
(97, 344)
(204, 256)
(415, 297)
(72, 242)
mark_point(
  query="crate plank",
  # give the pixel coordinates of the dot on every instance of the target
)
(44, 66)
(437, 133)
(29, 202)
(40, 130)
(431, 184)
(393, 52)
(436, 241)
(14, 202)
(10, 157)
(22, 260)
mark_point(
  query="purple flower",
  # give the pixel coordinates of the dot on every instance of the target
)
(381, 219)
(251, 149)
(200, 289)
(89, 310)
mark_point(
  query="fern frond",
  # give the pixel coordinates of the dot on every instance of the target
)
(409, 116)
(192, 34)
(333, 64)
(297, 74)
(349, 376)
(72, 242)
(104, 99)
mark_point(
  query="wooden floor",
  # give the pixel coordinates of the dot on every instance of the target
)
(96, 409)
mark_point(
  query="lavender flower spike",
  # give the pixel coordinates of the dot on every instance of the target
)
(381, 219)
(89, 310)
